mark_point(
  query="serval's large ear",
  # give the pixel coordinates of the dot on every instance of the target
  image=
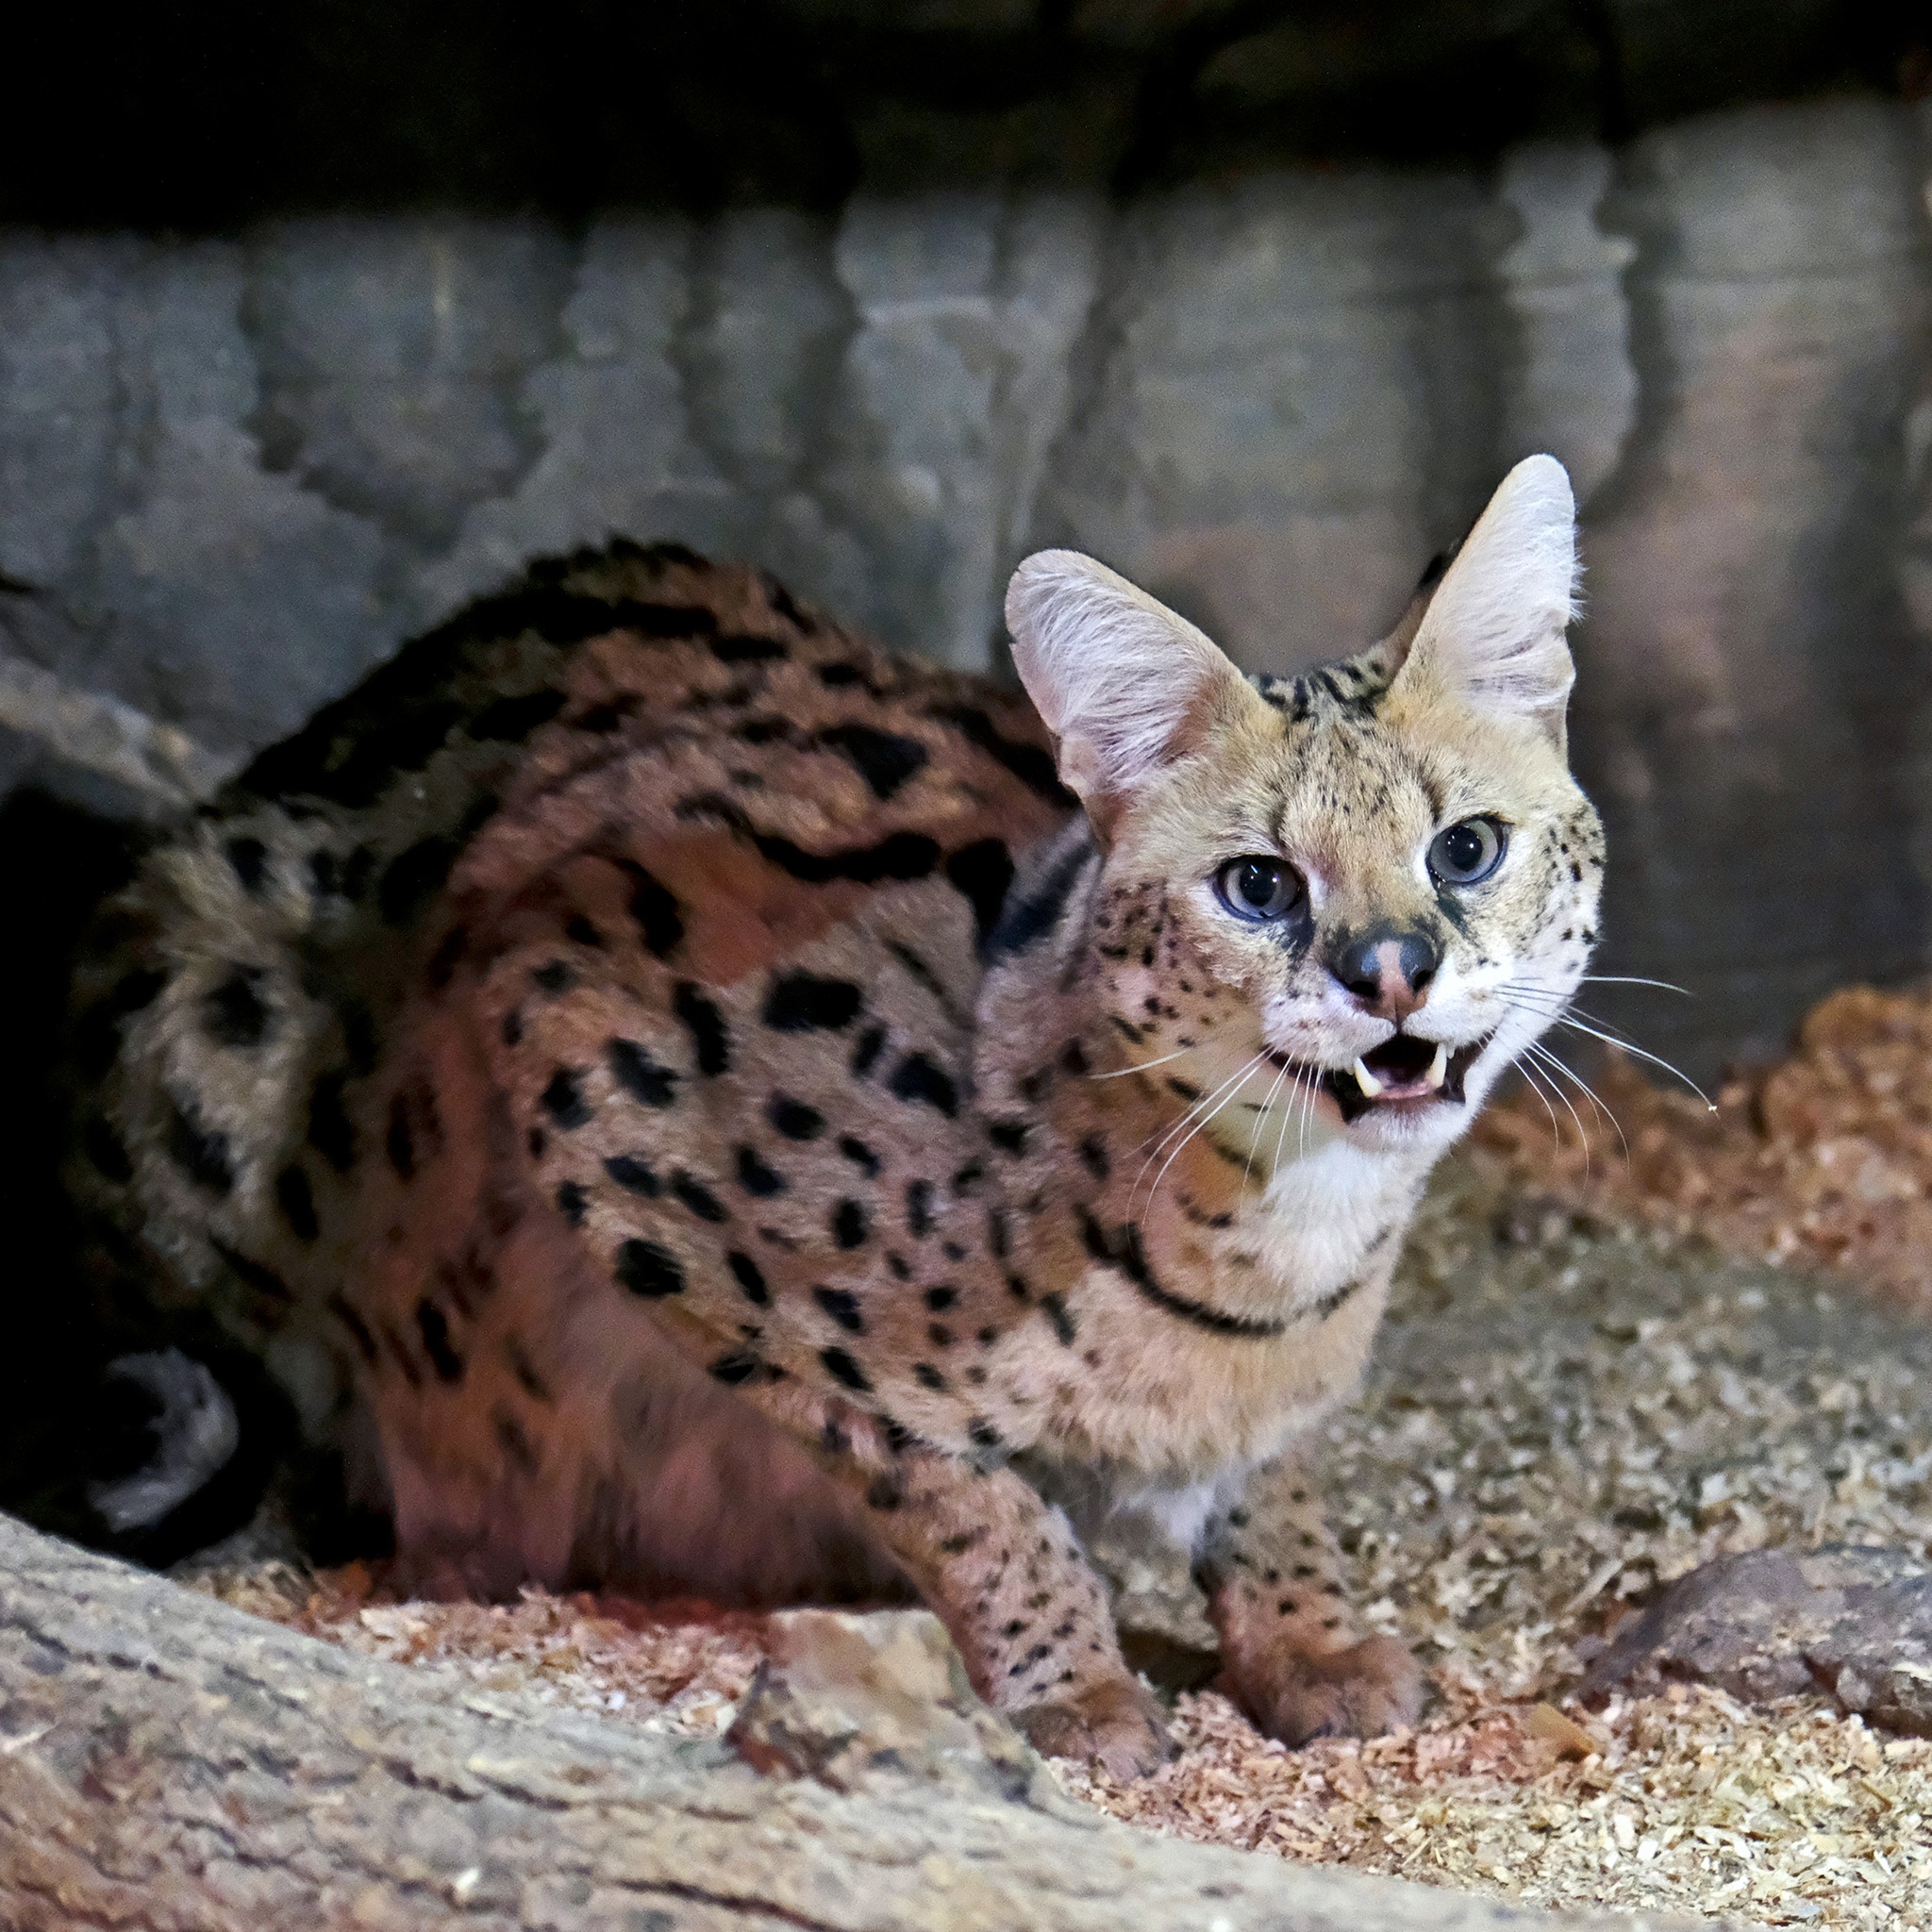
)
(1493, 632)
(1124, 685)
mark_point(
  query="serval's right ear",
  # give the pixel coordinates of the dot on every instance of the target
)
(1124, 683)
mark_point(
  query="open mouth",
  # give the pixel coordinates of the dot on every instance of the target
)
(1402, 1072)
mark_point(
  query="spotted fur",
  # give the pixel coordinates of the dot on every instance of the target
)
(686, 1100)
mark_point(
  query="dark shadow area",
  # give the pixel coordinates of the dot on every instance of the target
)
(204, 117)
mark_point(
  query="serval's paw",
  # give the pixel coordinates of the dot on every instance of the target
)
(1360, 1691)
(1116, 1724)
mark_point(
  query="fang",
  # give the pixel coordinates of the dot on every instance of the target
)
(1439, 1068)
(1371, 1088)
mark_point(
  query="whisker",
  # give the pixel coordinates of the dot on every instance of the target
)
(1536, 1086)
(1199, 1128)
(1142, 1066)
(1255, 1129)
(1643, 1054)
(1287, 1115)
(1636, 979)
(1186, 1127)
(1583, 1086)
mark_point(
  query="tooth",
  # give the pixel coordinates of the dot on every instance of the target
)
(1371, 1088)
(1439, 1067)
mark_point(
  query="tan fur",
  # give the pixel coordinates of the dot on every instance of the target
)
(687, 1192)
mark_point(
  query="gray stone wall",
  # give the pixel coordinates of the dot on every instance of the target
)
(235, 473)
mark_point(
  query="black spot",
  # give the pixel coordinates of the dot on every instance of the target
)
(359, 1036)
(997, 1237)
(564, 1099)
(514, 1028)
(918, 1208)
(249, 856)
(433, 1325)
(747, 1273)
(234, 1011)
(885, 1491)
(845, 1370)
(1121, 1249)
(443, 961)
(697, 1197)
(632, 1174)
(929, 1377)
(885, 759)
(417, 874)
(710, 1041)
(1029, 763)
(967, 1178)
(901, 856)
(982, 1433)
(850, 1224)
(579, 929)
(1094, 1157)
(754, 1178)
(514, 1443)
(740, 647)
(509, 721)
(938, 1335)
(554, 977)
(649, 1269)
(1054, 1309)
(264, 1281)
(571, 1203)
(400, 1145)
(834, 676)
(108, 1152)
(794, 1118)
(1008, 1136)
(804, 1002)
(740, 1365)
(865, 1050)
(638, 1074)
(97, 1033)
(1073, 1058)
(357, 1327)
(330, 1132)
(940, 1299)
(860, 1155)
(983, 872)
(842, 1306)
(762, 730)
(201, 1151)
(601, 720)
(655, 908)
(918, 1079)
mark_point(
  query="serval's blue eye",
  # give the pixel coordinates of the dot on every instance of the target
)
(1259, 889)
(1467, 854)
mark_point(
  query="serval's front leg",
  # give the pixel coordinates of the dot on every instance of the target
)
(1003, 1571)
(1292, 1648)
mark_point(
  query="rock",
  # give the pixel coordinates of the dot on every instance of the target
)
(1855, 1623)
(852, 1699)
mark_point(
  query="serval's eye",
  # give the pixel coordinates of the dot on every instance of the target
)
(1259, 889)
(1467, 854)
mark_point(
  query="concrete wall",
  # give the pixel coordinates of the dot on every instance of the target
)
(234, 472)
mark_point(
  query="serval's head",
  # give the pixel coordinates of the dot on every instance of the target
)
(1371, 887)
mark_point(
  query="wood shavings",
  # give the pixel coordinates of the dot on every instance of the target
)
(1564, 1414)
(1823, 1161)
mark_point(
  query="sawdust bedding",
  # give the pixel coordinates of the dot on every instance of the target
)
(1593, 1379)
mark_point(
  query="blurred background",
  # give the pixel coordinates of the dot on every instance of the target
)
(318, 319)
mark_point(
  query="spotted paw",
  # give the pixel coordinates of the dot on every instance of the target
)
(1117, 1725)
(1360, 1691)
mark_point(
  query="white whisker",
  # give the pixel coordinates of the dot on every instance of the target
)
(1142, 1066)
(1255, 1129)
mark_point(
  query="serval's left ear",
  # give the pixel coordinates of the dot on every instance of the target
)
(1493, 632)
(1126, 685)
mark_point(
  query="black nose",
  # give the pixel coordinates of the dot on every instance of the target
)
(1388, 971)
